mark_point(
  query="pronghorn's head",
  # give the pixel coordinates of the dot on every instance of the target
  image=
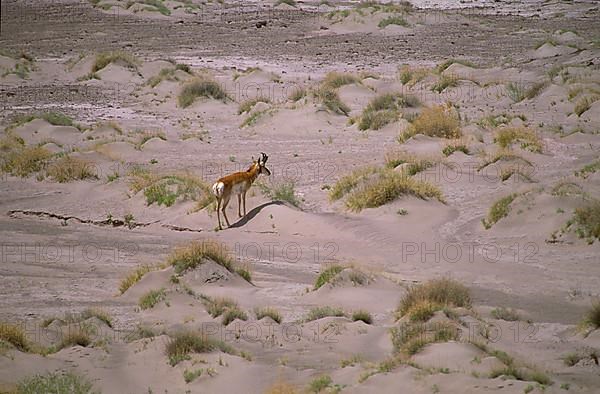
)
(260, 164)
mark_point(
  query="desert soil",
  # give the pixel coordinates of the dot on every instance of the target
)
(66, 247)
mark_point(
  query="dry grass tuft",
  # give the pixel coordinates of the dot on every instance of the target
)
(218, 305)
(384, 109)
(386, 187)
(348, 182)
(507, 314)
(67, 169)
(362, 315)
(15, 335)
(247, 105)
(201, 87)
(117, 57)
(166, 189)
(270, 312)
(194, 253)
(438, 121)
(336, 80)
(20, 160)
(331, 100)
(417, 163)
(411, 338)
(441, 293)
(77, 337)
(135, 276)
(584, 104)
(528, 139)
(587, 221)
(282, 387)
(233, 313)
(454, 146)
(410, 76)
(184, 343)
(444, 82)
(324, 311)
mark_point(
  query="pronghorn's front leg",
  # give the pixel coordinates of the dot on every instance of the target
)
(244, 200)
(239, 205)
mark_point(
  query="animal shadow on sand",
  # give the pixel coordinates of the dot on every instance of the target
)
(253, 212)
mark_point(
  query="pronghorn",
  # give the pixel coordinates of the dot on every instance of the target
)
(238, 183)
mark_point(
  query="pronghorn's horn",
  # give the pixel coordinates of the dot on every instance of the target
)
(264, 157)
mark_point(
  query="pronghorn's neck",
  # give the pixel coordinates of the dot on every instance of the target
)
(252, 172)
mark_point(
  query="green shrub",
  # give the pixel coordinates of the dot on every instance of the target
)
(327, 275)
(392, 20)
(507, 314)
(320, 383)
(363, 316)
(151, 298)
(54, 383)
(592, 317)
(384, 109)
(498, 210)
(282, 191)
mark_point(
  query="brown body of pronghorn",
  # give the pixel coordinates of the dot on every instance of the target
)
(238, 183)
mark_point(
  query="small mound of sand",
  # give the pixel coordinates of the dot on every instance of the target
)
(549, 50)
(206, 273)
(119, 149)
(455, 356)
(52, 147)
(118, 74)
(7, 62)
(153, 280)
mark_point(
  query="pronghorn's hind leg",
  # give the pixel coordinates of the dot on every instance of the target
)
(219, 213)
(240, 205)
(223, 209)
(218, 190)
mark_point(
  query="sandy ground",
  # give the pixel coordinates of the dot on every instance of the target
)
(61, 253)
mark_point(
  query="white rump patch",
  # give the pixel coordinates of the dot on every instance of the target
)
(218, 189)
